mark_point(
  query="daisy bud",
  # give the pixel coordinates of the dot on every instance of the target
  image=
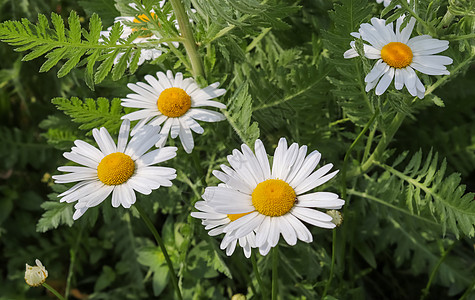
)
(35, 275)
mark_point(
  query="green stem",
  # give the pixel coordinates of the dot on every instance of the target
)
(52, 290)
(275, 275)
(380, 201)
(187, 33)
(412, 13)
(446, 20)
(454, 37)
(258, 276)
(332, 267)
(468, 291)
(72, 254)
(425, 291)
(386, 138)
(369, 143)
(348, 152)
(159, 240)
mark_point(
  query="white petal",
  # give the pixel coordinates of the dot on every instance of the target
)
(429, 70)
(186, 137)
(164, 81)
(142, 141)
(378, 70)
(261, 157)
(123, 135)
(190, 122)
(139, 126)
(313, 217)
(302, 232)
(308, 166)
(137, 185)
(157, 156)
(74, 177)
(350, 53)
(80, 159)
(104, 141)
(287, 231)
(398, 79)
(406, 32)
(371, 52)
(274, 231)
(385, 82)
(79, 170)
(205, 115)
(87, 150)
(154, 83)
(97, 196)
(228, 201)
(315, 179)
(262, 232)
(297, 164)
(79, 212)
(141, 114)
(175, 128)
(279, 155)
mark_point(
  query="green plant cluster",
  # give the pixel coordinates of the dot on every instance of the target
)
(407, 165)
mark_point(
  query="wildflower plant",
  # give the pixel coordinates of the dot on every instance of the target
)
(95, 181)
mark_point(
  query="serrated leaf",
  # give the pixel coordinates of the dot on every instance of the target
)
(91, 113)
(56, 214)
(239, 115)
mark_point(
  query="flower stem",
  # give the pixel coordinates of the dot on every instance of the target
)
(275, 275)
(189, 40)
(425, 291)
(348, 152)
(446, 20)
(72, 254)
(468, 291)
(332, 267)
(159, 240)
(52, 290)
(258, 276)
(386, 138)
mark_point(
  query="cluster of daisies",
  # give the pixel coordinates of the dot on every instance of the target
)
(257, 201)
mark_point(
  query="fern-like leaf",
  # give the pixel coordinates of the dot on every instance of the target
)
(239, 115)
(430, 191)
(92, 113)
(69, 44)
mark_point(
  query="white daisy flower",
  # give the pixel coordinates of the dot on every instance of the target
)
(145, 54)
(216, 222)
(35, 275)
(273, 200)
(175, 102)
(119, 169)
(398, 56)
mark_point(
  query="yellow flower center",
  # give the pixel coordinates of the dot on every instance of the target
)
(116, 168)
(234, 217)
(173, 102)
(143, 19)
(273, 197)
(397, 55)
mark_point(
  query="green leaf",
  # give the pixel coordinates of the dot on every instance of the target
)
(431, 192)
(56, 214)
(92, 113)
(73, 44)
(106, 278)
(239, 115)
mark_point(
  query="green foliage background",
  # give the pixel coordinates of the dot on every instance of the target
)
(407, 165)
